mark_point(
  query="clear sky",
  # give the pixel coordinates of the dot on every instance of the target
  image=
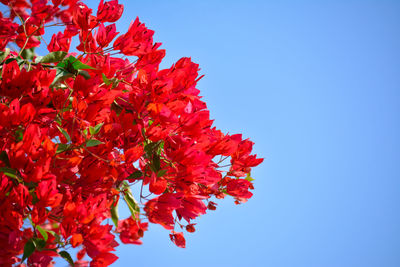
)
(316, 85)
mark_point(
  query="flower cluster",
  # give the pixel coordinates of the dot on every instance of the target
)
(78, 129)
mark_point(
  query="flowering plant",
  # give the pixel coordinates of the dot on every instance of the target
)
(77, 129)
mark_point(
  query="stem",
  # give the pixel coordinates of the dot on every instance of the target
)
(94, 155)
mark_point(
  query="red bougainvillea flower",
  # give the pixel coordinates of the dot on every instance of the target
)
(82, 124)
(138, 41)
(130, 231)
(178, 239)
(59, 42)
(110, 11)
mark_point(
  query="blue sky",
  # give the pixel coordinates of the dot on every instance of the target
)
(316, 85)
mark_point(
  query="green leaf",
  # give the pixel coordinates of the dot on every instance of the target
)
(105, 79)
(130, 201)
(35, 198)
(161, 173)
(93, 142)
(161, 145)
(66, 256)
(61, 148)
(135, 175)
(51, 232)
(28, 250)
(56, 56)
(61, 75)
(42, 232)
(96, 129)
(151, 147)
(4, 158)
(84, 73)
(75, 63)
(156, 162)
(115, 83)
(9, 60)
(38, 59)
(4, 54)
(19, 135)
(9, 172)
(249, 178)
(28, 53)
(18, 59)
(64, 132)
(85, 132)
(114, 214)
(78, 65)
(117, 108)
(39, 243)
(31, 185)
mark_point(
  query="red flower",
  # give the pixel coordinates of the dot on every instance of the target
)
(157, 184)
(130, 231)
(133, 154)
(212, 205)
(178, 239)
(82, 16)
(239, 188)
(7, 31)
(110, 11)
(76, 129)
(137, 41)
(105, 34)
(76, 240)
(190, 228)
(59, 42)
(103, 259)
